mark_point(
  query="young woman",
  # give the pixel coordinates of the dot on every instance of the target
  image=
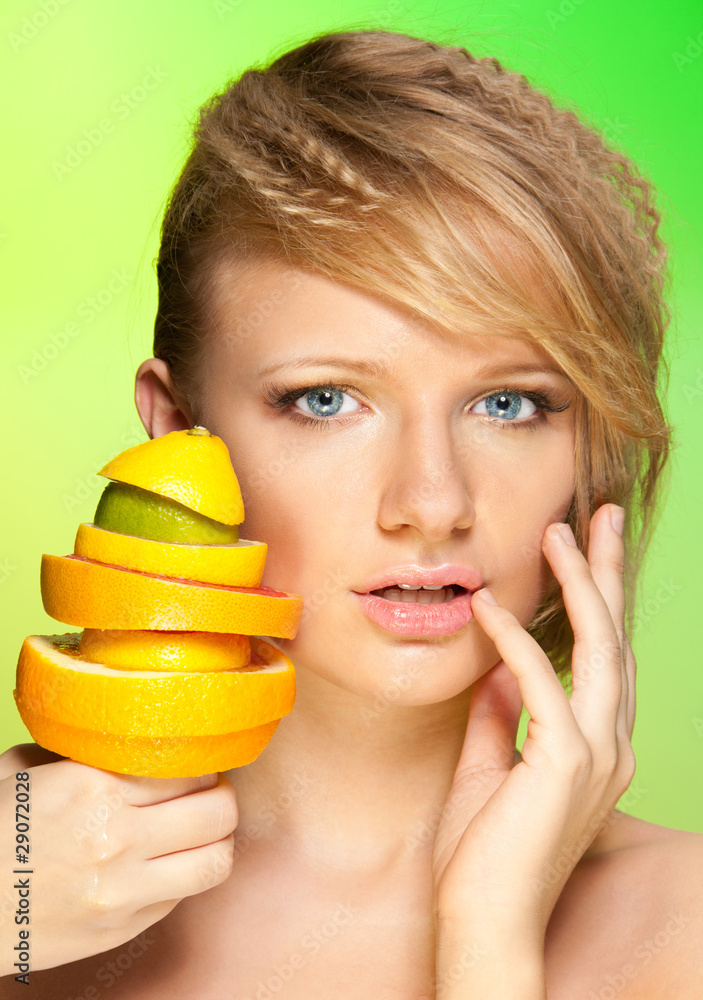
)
(423, 308)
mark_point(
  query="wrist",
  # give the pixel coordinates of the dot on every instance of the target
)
(521, 927)
(481, 960)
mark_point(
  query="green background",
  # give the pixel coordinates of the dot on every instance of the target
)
(117, 84)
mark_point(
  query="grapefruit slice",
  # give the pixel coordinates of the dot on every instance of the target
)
(78, 591)
(146, 722)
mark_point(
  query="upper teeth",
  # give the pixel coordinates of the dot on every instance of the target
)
(407, 586)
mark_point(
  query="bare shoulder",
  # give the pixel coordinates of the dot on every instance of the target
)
(673, 859)
(631, 914)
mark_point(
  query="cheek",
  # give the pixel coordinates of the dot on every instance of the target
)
(316, 507)
(515, 509)
(303, 510)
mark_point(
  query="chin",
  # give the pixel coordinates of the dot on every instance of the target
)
(410, 675)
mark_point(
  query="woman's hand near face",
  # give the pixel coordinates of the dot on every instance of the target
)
(110, 854)
(512, 833)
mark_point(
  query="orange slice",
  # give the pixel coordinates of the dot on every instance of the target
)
(89, 594)
(145, 650)
(192, 467)
(165, 757)
(240, 564)
(144, 722)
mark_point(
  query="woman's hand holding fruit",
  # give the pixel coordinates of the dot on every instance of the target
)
(110, 854)
(511, 833)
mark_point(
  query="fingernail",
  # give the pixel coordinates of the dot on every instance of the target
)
(567, 534)
(617, 517)
(487, 596)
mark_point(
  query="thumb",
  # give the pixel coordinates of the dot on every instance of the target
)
(494, 717)
(487, 756)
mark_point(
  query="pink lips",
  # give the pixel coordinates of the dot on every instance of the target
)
(418, 576)
(406, 618)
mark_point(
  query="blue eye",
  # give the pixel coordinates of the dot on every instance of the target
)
(506, 406)
(325, 401)
(322, 406)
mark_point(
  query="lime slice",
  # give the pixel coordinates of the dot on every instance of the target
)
(131, 510)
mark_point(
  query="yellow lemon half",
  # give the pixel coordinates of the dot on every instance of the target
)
(192, 467)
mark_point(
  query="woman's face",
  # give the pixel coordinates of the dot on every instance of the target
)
(393, 446)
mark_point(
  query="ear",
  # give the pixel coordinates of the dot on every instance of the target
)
(158, 405)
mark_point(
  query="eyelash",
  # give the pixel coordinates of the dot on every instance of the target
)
(281, 398)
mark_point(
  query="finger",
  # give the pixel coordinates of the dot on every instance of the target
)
(143, 791)
(187, 822)
(135, 790)
(606, 558)
(148, 915)
(139, 790)
(540, 689)
(189, 872)
(25, 755)
(631, 670)
(494, 717)
(596, 667)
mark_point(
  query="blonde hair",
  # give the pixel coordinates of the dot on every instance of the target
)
(450, 185)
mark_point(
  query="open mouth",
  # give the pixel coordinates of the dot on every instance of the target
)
(421, 595)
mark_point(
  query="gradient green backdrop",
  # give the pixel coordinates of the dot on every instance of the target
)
(97, 98)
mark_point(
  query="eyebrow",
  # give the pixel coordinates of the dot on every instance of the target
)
(379, 370)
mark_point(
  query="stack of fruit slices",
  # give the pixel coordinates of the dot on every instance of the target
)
(168, 677)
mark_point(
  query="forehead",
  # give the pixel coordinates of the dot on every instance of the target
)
(270, 309)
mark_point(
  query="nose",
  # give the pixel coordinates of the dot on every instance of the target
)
(425, 485)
